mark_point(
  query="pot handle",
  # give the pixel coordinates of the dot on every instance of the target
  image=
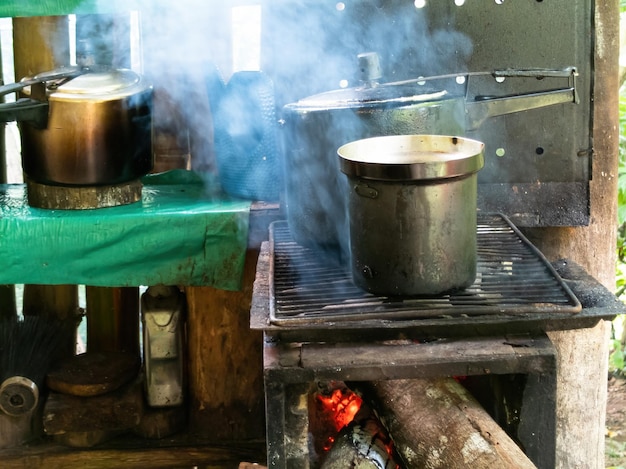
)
(33, 110)
(478, 111)
(365, 191)
(25, 110)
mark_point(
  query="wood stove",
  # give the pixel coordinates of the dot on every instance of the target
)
(319, 327)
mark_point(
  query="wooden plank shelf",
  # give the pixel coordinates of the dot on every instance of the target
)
(134, 452)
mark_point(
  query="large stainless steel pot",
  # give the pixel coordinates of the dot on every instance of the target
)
(412, 212)
(83, 127)
(316, 126)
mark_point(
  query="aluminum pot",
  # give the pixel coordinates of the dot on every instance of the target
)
(316, 126)
(83, 127)
(412, 212)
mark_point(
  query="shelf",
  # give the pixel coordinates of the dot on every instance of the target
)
(13, 8)
(133, 452)
(183, 231)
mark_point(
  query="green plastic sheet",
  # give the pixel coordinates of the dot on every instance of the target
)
(184, 231)
(13, 8)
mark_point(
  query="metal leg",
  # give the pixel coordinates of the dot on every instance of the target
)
(537, 428)
(274, 421)
(287, 424)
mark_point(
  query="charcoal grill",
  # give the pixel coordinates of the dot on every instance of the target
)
(512, 277)
(318, 326)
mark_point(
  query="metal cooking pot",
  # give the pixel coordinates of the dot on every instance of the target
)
(83, 127)
(412, 212)
(316, 126)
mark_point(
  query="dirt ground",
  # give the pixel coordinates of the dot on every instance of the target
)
(615, 454)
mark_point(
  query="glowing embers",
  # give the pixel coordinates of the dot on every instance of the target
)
(344, 431)
(333, 409)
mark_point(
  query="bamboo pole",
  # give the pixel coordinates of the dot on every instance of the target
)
(40, 44)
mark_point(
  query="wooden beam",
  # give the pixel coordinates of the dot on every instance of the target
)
(173, 453)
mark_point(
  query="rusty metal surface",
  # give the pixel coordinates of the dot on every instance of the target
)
(513, 278)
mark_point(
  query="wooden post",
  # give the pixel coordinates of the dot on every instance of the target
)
(113, 319)
(41, 44)
(583, 354)
(225, 362)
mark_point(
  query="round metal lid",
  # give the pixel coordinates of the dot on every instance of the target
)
(112, 84)
(374, 96)
(411, 157)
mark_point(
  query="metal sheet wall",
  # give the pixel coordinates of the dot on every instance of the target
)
(537, 162)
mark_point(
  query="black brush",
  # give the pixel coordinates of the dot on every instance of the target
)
(28, 347)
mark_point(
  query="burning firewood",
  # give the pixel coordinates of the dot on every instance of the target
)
(437, 423)
(361, 445)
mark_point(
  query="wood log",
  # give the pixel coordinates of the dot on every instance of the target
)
(161, 422)
(114, 411)
(93, 373)
(112, 319)
(85, 439)
(360, 445)
(437, 423)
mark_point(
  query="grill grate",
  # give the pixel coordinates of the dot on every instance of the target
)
(513, 277)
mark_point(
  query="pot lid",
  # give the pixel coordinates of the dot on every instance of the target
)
(111, 84)
(385, 95)
(411, 157)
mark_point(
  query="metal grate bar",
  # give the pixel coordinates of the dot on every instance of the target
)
(513, 277)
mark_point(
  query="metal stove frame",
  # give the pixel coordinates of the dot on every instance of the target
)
(291, 369)
(501, 343)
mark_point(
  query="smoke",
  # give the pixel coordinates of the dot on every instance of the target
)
(307, 47)
(318, 47)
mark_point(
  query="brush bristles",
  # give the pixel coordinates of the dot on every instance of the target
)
(30, 345)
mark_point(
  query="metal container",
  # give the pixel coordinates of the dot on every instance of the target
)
(412, 212)
(316, 126)
(83, 127)
(163, 309)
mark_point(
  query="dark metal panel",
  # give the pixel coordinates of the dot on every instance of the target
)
(310, 47)
(538, 204)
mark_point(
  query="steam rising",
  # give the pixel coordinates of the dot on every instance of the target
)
(307, 47)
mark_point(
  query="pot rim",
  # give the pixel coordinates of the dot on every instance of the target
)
(101, 86)
(411, 157)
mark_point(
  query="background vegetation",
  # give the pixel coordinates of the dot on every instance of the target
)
(618, 337)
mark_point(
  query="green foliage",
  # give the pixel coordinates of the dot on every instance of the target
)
(622, 158)
(621, 196)
(616, 357)
(616, 353)
(617, 350)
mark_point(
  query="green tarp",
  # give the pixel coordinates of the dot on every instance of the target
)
(12, 8)
(183, 232)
